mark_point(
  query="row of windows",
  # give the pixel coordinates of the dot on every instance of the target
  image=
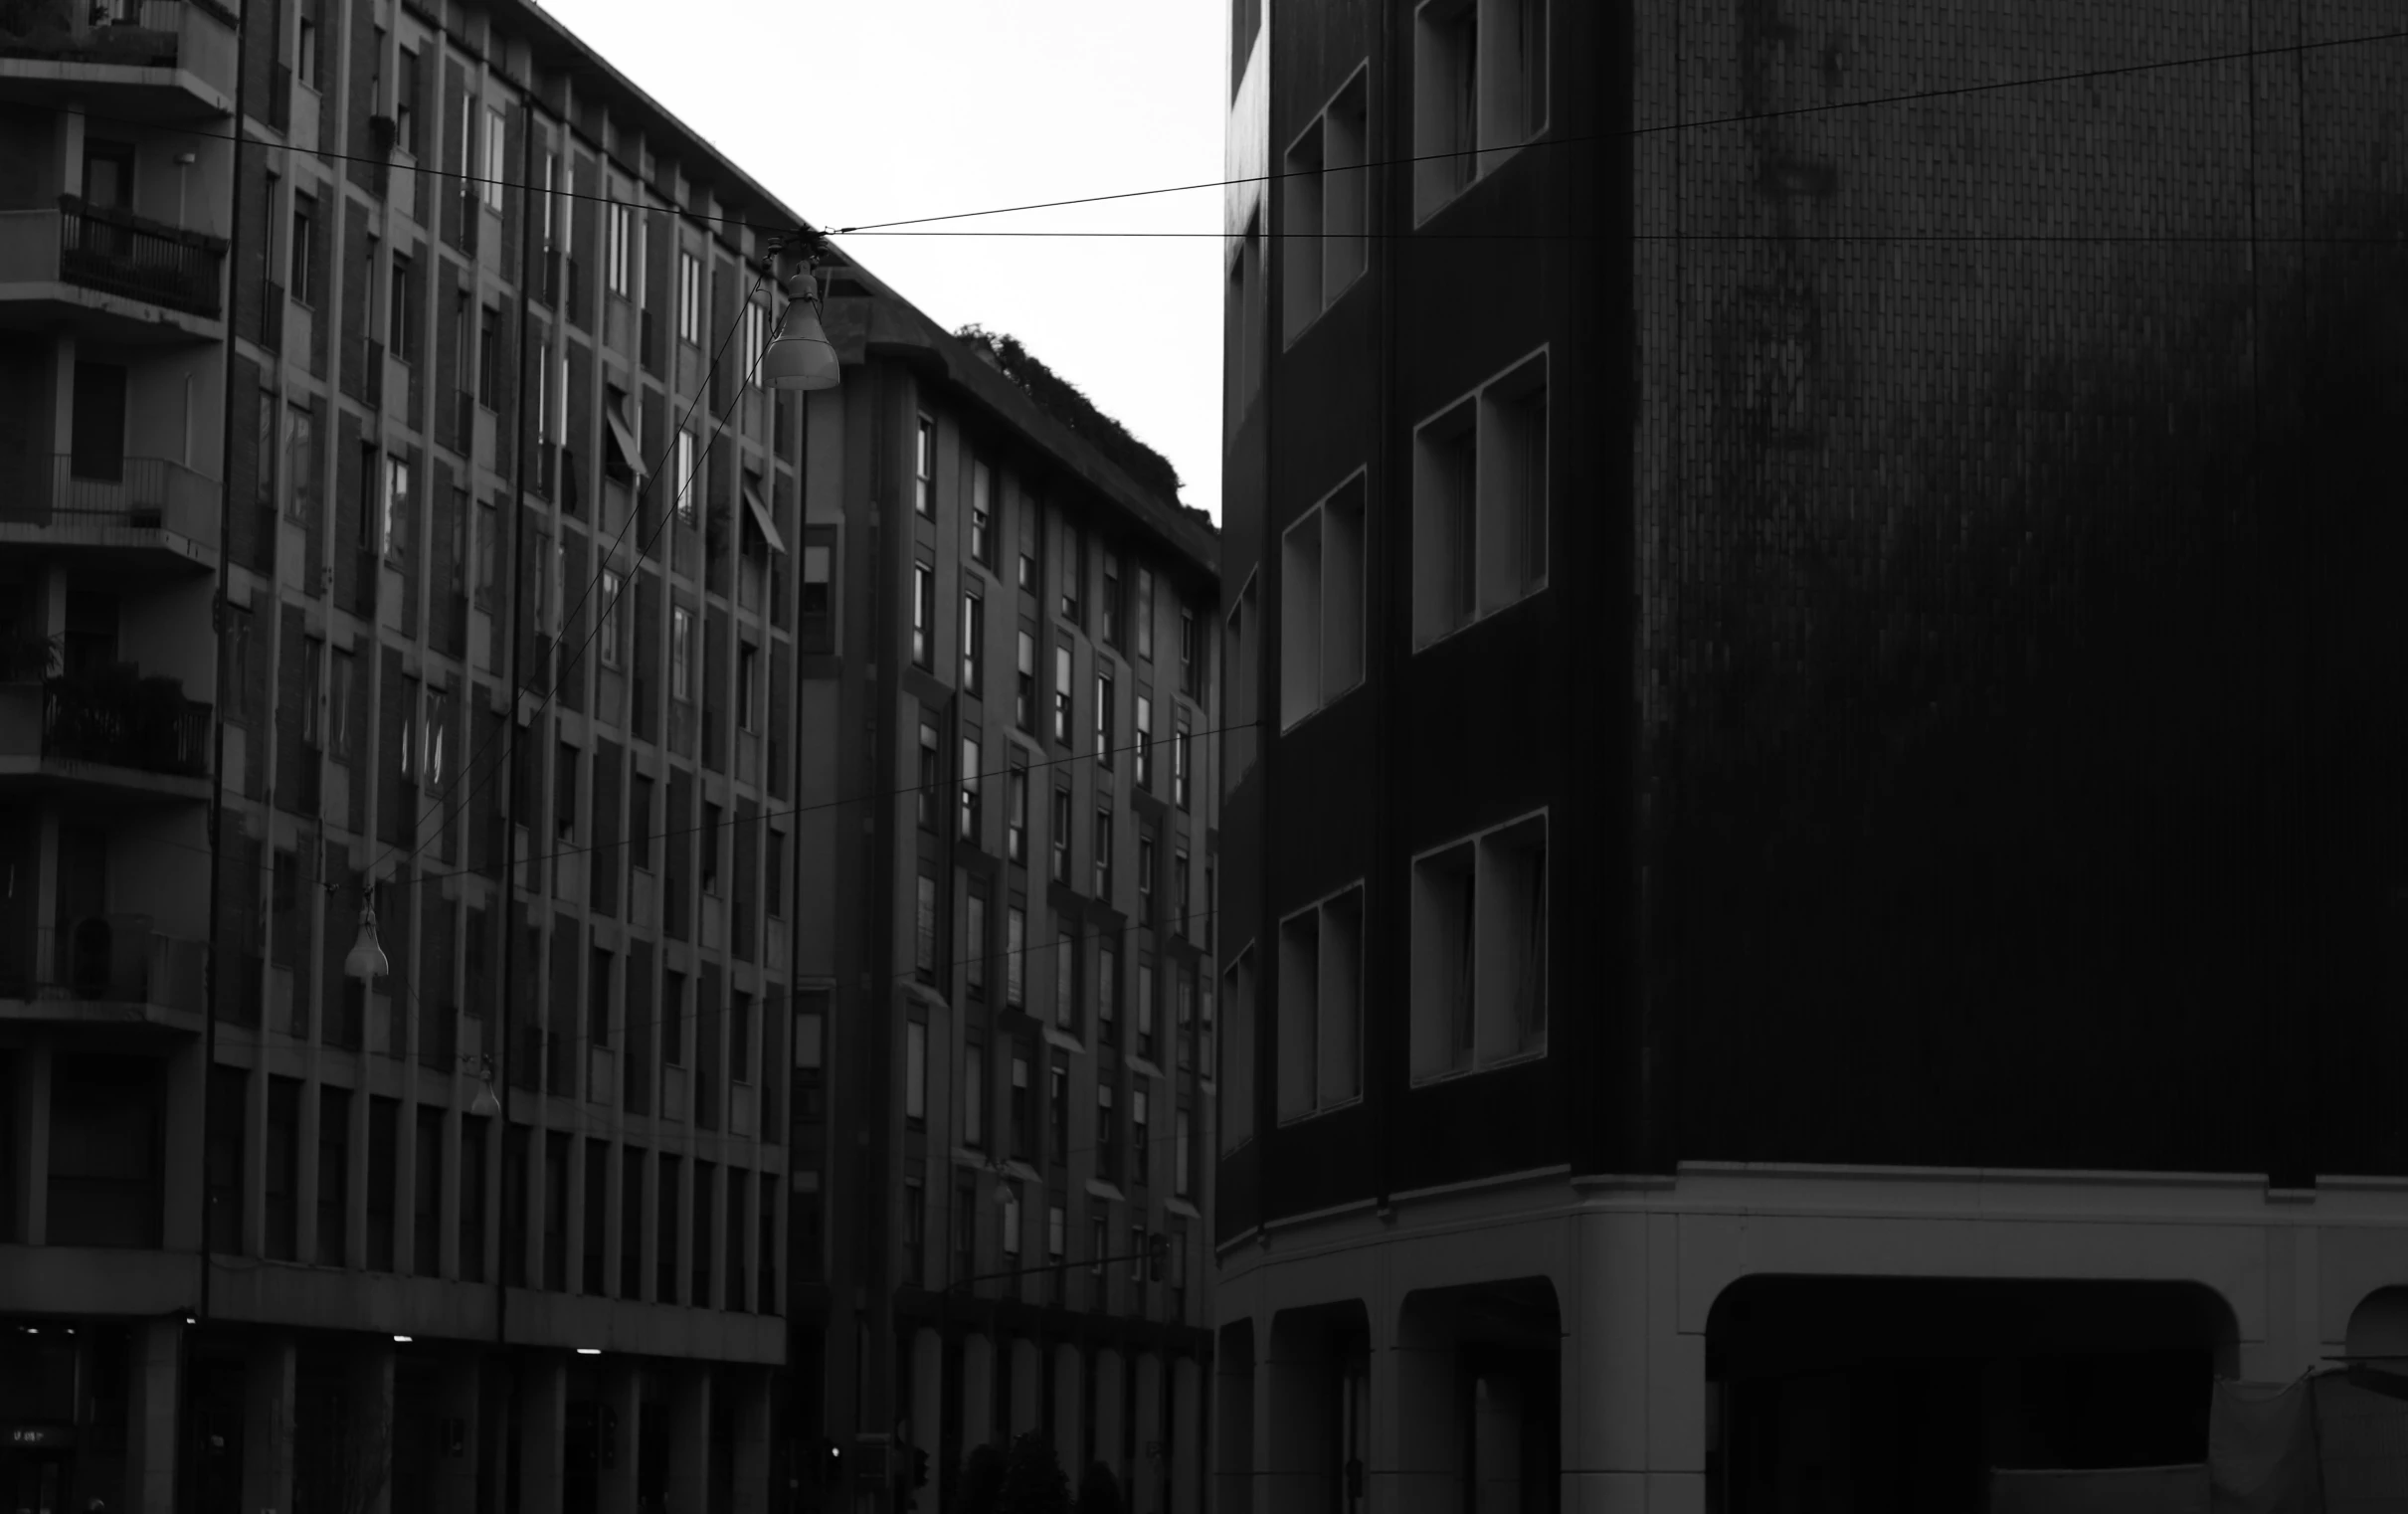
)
(1012, 1217)
(1018, 1138)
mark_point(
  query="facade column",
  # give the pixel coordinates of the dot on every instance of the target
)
(623, 1396)
(543, 1428)
(978, 1391)
(750, 1385)
(1415, 1437)
(1145, 1478)
(1111, 1416)
(1068, 1430)
(151, 1380)
(455, 1411)
(1187, 1436)
(31, 1144)
(370, 1371)
(928, 1409)
(2290, 1346)
(1633, 1385)
(269, 1379)
(1027, 1388)
(688, 1488)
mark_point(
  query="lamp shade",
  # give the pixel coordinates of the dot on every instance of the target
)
(367, 956)
(484, 1106)
(801, 357)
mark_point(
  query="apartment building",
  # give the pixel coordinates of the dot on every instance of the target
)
(387, 514)
(1812, 909)
(1003, 1099)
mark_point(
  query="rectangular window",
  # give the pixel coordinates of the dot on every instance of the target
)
(1181, 1177)
(1480, 90)
(618, 254)
(923, 937)
(498, 158)
(1141, 1131)
(1103, 720)
(974, 644)
(1103, 854)
(1321, 1007)
(931, 778)
(923, 614)
(1023, 704)
(924, 469)
(564, 792)
(1178, 892)
(393, 510)
(982, 515)
(1145, 874)
(1137, 1253)
(303, 250)
(686, 477)
(1325, 194)
(1073, 571)
(1236, 1065)
(1060, 835)
(1061, 694)
(689, 297)
(1107, 1134)
(714, 831)
(1145, 743)
(639, 822)
(1144, 617)
(748, 684)
(1145, 999)
(973, 933)
(1065, 981)
(672, 1020)
(819, 629)
(974, 1095)
(1321, 605)
(682, 653)
(611, 584)
(1011, 1220)
(915, 1231)
(1111, 600)
(740, 1036)
(1480, 517)
(342, 694)
(1178, 767)
(971, 757)
(304, 44)
(1190, 655)
(1016, 947)
(401, 311)
(333, 1174)
(1107, 985)
(915, 1071)
(774, 881)
(1023, 1109)
(1015, 833)
(598, 999)
(1099, 1245)
(1479, 951)
(490, 375)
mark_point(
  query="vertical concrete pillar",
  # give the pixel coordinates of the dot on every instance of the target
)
(370, 1372)
(688, 1489)
(151, 1380)
(928, 1409)
(1187, 1436)
(1069, 1437)
(1111, 1413)
(543, 1428)
(622, 1397)
(1633, 1385)
(1145, 1478)
(1027, 1388)
(457, 1410)
(269, 1379)
(31, 1142)
(750, 1385)
(2290, 1347)
(978, 1391)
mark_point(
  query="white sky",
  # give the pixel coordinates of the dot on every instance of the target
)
(882, 109)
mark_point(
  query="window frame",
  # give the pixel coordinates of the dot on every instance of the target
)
(1459, 538)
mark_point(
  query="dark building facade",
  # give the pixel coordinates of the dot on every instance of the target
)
(1807, 866)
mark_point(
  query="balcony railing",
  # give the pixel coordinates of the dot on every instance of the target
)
(130, 33)
(108, 502)
(120, 253)
(118, 717)
(105, 958)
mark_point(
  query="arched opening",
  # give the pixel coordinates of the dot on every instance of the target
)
(1479, 1395)
(1319, 1380)
(1879, 1394)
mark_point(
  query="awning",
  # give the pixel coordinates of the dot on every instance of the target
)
(769, 533)
(622, 443)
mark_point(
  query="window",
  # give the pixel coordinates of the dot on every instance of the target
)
(1099, 1245)
(1245, 317)
(686, 477)
(1179, 892)
(1181, 1179)
(564, 792)
(1057, 1110)
(974, 644)
(1065, 981)
(313, 670)
(924, 469)
(1140, 1134)
(1190, 655)
(1011, 1220)
(974, 930)
(682, 653)
(1060, 834)
(1103, 854)
(674, 1018)
(1145, 614)
(1015, 830)
(1321, 1006)
(971, 759)
(1103, 720)
(401, 311)
(819, 629)
(1321, 603)
(974, 1094)
(341, 695)
(1023, 699)
(611, 584)
(1178, 767)
(982, 515)
(304, 248)
(301, 462)
(1016, 947)
(1145, 999)
(1236, 1069)
(1479, 951)
(1061, 694)
(748, 681)
(714, 828)
(740, 1036)
(617, 264)
(1111, 604)
(1073, 543)
(923, 939)
(915, 1071)
(304, 44)
(488, 357)
(1325, 205)
(393, 510)
(598, 999)
(639, 822)
(498, 158)
(1480, 503)
(1480, 90)
(1107, 1137)
(1056, 1221)
(1145, 743)
(1137, 1253)
(1238, 667)
(689, 297)
(774, 883)
(1107, 985)
(756, 337)
(1144, 873)
(1024, 1112)
(923, 614)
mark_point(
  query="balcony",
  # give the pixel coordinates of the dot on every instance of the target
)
(111, 732)
(139, 59)
(102, 970)
(146, 512)
(116, 274)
